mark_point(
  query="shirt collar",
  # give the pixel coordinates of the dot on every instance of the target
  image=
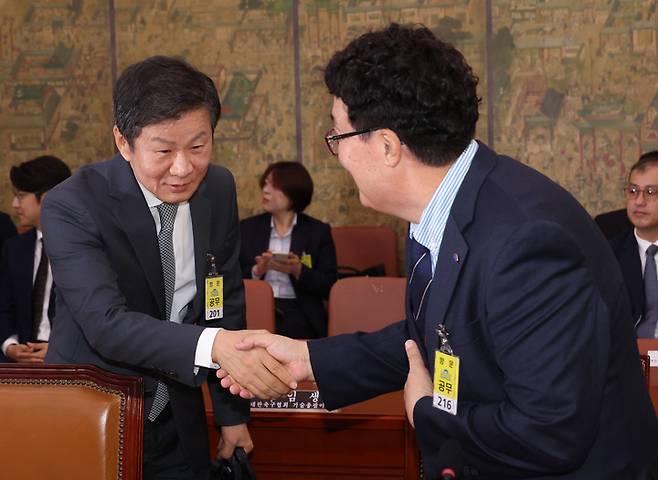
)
(429, 230)
(642, 243)
(151, 200)
(294, 222)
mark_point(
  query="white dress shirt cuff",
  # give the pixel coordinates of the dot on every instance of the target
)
(203, 355)
(13, 340)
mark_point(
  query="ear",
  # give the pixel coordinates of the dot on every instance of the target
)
(392, 147)
(122, 144)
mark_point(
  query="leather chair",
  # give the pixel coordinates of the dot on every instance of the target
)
(366, 304)
(361, 247)
(259, 304)
(70, 422)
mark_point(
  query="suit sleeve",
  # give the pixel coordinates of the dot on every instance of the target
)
(548, 329)
(8, 325)
(87, 284)
(354, 367)
(319, 279)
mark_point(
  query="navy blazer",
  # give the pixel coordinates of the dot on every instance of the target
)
(550, 381)
(309, 236)
(102, 243)
(627, 251)
(16, 283)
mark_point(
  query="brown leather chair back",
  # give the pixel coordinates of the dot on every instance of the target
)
(366, 304)
(259, 303)
(361, 247)
(70, 422)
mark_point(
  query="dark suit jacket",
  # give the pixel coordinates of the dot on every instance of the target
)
(101, 240)
(550, 381)
(627, 251)
(7, 228)
(614, 222)
(16, 272)
(310, 236)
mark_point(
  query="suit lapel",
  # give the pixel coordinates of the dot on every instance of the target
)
(261, 238)
(454, 247)
(452, 256)
(134, 217)
(200, 210)
(25, 283)
(631, 266)
(299, 236)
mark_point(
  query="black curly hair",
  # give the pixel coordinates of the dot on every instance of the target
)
(405, 79)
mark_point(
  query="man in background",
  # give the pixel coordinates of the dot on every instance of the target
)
(144, 249)
(27, 296)
(636, 247)
(512, 290)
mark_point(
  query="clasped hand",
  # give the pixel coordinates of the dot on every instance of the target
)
(287, 359)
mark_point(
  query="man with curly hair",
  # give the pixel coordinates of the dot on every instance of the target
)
(506, 271)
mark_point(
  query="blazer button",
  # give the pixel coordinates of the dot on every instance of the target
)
(455, 257)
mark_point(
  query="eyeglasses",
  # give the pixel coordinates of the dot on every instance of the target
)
(332, 138)
(633, 191)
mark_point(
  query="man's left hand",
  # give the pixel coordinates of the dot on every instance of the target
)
(231, 437)
(419, 382)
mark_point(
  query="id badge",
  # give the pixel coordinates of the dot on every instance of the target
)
(214, 292)
(214, 297)
(446, 382)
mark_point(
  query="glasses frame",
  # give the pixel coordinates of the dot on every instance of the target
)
(650, 193)
(335, 138)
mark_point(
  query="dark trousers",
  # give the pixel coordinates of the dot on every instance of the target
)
(291, 321)
(163, 456)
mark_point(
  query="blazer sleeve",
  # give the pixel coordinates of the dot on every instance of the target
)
(323, 273)
(355, 367)
(548, 330)
(87, 284)
(8, 325)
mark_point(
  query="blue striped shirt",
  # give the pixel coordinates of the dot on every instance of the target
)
(429, 231)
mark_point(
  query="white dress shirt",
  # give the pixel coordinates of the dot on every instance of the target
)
(43, 334)
(642, 250)
(279, 281)
(185, 288)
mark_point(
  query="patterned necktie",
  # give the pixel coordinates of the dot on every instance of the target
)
(647, 327)
(420, 277)
(39, 292)
(167, 212)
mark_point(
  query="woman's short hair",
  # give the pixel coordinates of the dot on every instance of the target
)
(293, 180)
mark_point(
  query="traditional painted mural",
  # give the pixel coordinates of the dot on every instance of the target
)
(568, 87)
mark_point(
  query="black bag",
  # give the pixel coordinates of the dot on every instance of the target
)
(374, 271)
(237, 467)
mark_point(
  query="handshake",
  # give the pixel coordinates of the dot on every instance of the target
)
(256, 363)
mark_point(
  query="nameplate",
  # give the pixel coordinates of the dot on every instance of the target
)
(297, 400)
(653, 358)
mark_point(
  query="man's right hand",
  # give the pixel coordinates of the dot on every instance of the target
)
(292, 353)
(21, 353)
(255, 368)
